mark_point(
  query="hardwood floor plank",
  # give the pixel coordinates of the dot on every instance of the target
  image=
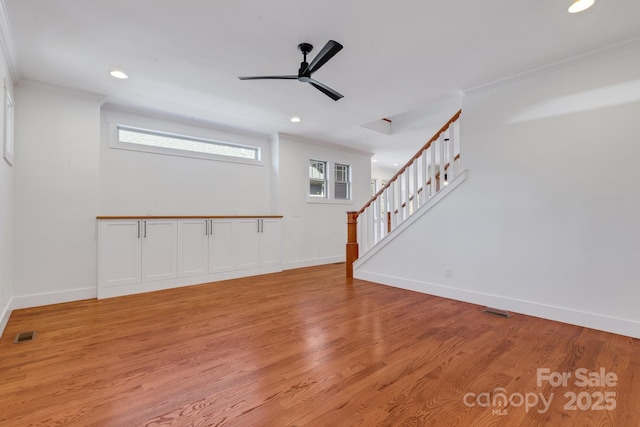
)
(303, 347)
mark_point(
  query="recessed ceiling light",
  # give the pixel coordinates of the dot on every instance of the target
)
(395, 164)
(119, 74)
(374, 160)
(580, 5)
(295, 119)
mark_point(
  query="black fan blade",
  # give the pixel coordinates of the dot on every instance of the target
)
(325, 89)
(328, 51)
(270, 78)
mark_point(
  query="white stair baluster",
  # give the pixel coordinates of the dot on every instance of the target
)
(455, 130)
(416, 201)
(450, 174)
(422, 178)
(441, 161)
(392, 199)
(432, 169)
(375, 213)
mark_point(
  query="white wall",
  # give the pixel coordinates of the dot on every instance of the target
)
(55, 193)
(316, 233)
(6, 211)
(547, 222)
(140, 183)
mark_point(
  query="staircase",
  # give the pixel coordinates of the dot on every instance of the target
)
(411, 190)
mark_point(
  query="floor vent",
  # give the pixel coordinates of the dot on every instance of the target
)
(25, 336)
(496, 312)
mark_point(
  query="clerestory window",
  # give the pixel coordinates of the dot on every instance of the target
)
(181, 144)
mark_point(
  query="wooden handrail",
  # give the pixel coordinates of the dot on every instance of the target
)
(416, 156)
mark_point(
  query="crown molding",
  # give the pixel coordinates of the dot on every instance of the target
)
(61, 90)
(506, 79)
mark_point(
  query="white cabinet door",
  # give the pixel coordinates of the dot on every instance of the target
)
(248, 243)
(119, 261)
(222, 247)
(159, 249)
(193, 247)
(140, 251)
(270, 242)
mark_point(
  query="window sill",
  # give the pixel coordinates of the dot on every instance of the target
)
(322, 201)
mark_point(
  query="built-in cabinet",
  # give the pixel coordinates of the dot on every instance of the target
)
(145, 254)
(209, 246)
(222, 245)
(270, 242)
(159, 239)
(261, 240)
(193, 247)
(119, 253)
(133, 251)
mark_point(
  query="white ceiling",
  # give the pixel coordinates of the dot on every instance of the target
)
(401, 59)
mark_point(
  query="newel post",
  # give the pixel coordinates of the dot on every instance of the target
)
(352, 241)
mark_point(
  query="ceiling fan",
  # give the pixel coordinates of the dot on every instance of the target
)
(306, 70)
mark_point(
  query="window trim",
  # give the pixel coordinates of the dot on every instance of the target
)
(179, 151)
(195, 132)
(347, 182)
(324, 181)
(329, 182)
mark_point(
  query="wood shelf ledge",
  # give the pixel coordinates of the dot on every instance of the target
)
(186, 216)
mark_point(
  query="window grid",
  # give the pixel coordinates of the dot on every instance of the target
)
(342, 190)
(317, 179)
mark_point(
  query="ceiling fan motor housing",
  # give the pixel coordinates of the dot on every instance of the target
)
(305, 48)
(306, 70)
(303, 74)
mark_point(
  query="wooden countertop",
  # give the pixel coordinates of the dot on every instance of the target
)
(186, 216)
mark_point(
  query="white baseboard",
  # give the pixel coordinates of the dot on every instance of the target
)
(4, 316)
(36, 300)
(312, 262)
(600, 322)
(178, 282)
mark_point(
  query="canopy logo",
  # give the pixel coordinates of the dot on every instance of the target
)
(499, 399)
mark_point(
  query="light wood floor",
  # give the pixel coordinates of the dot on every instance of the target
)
(305, 347)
